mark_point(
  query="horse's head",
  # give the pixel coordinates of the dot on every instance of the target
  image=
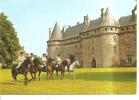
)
(38, 61)
(76, 63)
(29, 61)
(65, 62)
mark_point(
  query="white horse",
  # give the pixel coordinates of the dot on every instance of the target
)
(72, 67)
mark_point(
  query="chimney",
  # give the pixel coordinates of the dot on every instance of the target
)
(49, 33)
(84, 18)
(78, 23)
(102, 14)
(133, 12)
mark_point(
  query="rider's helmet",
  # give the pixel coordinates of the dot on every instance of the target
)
(22, 53)
(31, 54)
(44, 54)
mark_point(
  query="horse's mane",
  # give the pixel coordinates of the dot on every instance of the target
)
(36, 60)
(25, 62)
(64, 62)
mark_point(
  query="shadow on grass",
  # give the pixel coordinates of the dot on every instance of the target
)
(108, 76)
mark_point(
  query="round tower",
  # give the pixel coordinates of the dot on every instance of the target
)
(54, 42)
(109, 41)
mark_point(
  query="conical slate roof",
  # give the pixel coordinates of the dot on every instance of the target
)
(63, 29)
(109, 19)
(56, 34)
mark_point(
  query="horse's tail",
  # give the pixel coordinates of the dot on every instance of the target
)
(13, 71)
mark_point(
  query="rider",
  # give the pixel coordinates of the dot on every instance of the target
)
(44, 59)
(21, 59)
(58, 60)
(32, 56)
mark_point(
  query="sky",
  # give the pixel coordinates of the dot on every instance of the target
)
(33, 18)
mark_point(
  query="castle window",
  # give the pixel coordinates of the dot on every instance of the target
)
(76, 54)
(111, 28)
(105, 29)
(122, 29)
(126, 28)
(114, 38)
(93, 50)
(115, 29)
(75, 46)
(129, 59)
(128, 50)
(115, 49)
(133, 27)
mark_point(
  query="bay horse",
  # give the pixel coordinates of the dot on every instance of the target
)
(65, 67)
(23, 69)
(60, 68)
(47, 68)
(35, 68)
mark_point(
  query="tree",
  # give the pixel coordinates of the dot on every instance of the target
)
(9, 43)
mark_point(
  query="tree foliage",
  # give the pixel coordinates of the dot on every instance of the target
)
(9, 43)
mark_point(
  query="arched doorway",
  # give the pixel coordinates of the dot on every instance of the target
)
(93, 64)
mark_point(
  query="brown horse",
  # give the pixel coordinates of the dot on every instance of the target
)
(35, 68)
(60, 68)
(40, 67)
(49, 68)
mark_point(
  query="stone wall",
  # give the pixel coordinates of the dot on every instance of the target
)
(127, 42)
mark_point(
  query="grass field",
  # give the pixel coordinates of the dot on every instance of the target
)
(88, 81)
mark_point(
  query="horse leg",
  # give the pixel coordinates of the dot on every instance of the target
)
(73, 75)
(57, 74)
(25, 80)
(31, 75)
(51, 75)
(15, 77)
(39, 75)
(61, 75)
(69, 72)
(47, 75)
(34, 76)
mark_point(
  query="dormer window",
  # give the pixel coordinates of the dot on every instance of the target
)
(111, 28)
(105, 29)
(115, 49)
(126, 28)
(122, 29)
(133, 27)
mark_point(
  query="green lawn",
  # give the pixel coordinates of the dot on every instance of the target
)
(88, 81)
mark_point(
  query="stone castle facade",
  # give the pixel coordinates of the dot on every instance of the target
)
(103, 42)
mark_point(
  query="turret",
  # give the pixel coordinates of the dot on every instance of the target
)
(56, 33)
(86, 22)
(102, 14)
(63, 29)
(107, 19)
(54, 43)
(49, 33)
(134, 12)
